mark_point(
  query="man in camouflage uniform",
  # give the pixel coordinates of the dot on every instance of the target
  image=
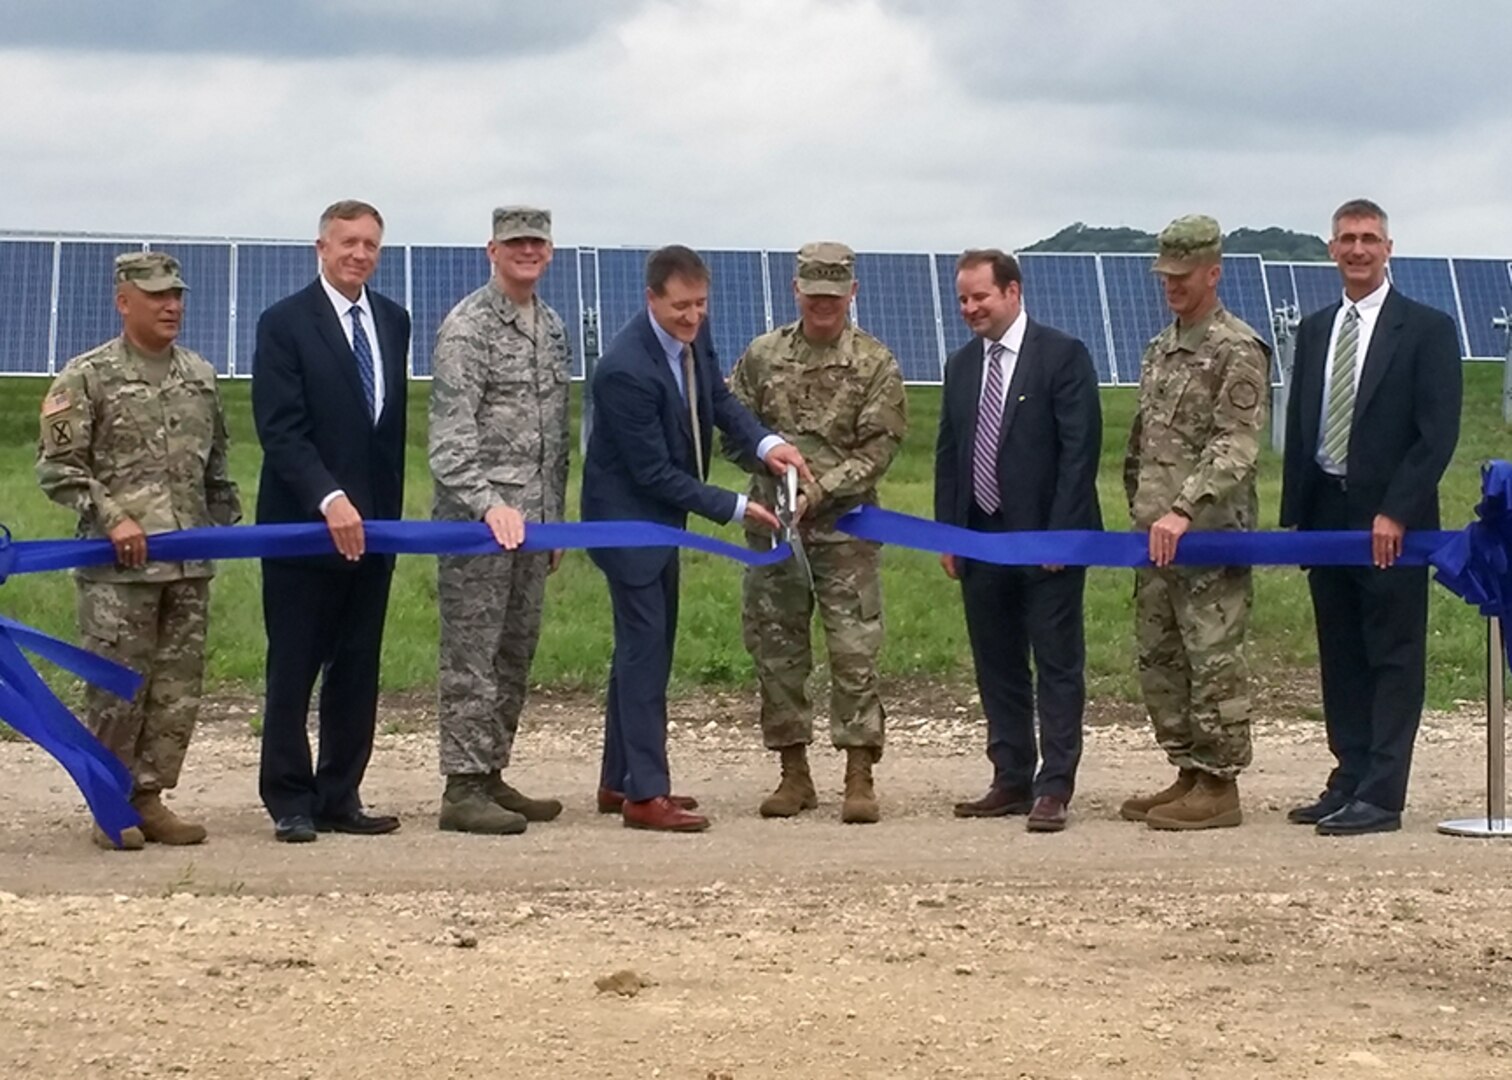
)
(134, 442)
(1203, 389)
(836, 393)
(498, 453)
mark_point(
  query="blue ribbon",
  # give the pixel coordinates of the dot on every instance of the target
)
(1129, 550)
(29, 706)
(1473, 563)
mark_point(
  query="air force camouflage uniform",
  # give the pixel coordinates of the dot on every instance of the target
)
(843, 406)
(130, 436)
(1203, 393)
(498, 434)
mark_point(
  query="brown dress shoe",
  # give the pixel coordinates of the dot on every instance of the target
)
(610, 801)
(998, 802)
(662, 815)
(1048, 815)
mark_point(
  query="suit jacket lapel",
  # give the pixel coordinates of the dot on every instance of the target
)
(395, 360)
(1021, 362)
(1312, 388)
(973, 370)
(1383, 343)
(657, 356)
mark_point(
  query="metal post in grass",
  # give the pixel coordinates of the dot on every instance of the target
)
(1284, 320)
(1503, 322)
(1495, 823)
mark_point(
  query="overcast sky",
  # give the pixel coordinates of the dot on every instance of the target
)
(889, 124)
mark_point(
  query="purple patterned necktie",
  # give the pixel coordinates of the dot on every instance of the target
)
(984, 478)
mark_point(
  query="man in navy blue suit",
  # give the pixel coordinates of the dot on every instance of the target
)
(328, 396)
(657, 396)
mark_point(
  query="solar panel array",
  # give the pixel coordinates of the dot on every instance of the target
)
(55, 297)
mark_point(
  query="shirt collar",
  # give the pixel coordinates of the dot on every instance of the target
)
(1013, 337)
(670, 345)
(1371, 302)
(1189, 338)
(343, 305)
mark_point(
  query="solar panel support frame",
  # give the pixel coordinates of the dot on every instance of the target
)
(1107, 321)
(52, 312)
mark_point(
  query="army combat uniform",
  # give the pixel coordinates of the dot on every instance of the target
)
(1203, 392)
(498, 435)
(842, 405)
(131, 436)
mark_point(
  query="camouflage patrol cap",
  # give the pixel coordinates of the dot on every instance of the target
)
(150, 271)
(826, 268)
(514, 222)
(1187, 243)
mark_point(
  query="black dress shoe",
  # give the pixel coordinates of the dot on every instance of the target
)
(294, 829)
(358, 823)
(1312, 813)
(1359, 817)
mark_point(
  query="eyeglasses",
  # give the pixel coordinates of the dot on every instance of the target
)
(1350, 239)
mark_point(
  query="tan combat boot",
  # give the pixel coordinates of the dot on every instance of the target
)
(795, 791)
(467, 806)
(518, 802)
(161, 825)
(131, 839)
(1212, 804)
(1136, 808)
(860, 805)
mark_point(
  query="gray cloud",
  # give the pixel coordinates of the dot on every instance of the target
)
(1231, 72)
(307, 28)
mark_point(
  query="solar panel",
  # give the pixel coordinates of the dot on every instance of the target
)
(1061, 291)
(897, 304)
(621, 289)
(1485, 290)
(1317, 286)
(86, 295)
(559, 288)
(26, 271)
(1429, 281)
(781, 266)
(265, 274)
(1136, 309)
(207, 305)
(1242, 291)
(1278, 278)
(588, 282)
(442, 277)
(737, 302)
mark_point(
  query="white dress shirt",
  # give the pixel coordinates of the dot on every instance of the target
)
(1369, 308)
(1012, 342)
(343, 306)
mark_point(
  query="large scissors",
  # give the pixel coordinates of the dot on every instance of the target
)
(787, 510)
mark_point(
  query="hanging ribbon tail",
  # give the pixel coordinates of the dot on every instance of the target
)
(1474, 563)
(29, 706)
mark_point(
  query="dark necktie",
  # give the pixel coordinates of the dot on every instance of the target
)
(363, 350)
(690, 388)
(984, 477)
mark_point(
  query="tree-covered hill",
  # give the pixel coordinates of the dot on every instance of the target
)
(1275, 244)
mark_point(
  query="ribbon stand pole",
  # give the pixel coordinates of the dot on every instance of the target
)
(1495, 823)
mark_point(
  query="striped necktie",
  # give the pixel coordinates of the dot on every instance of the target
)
(1339, 413)
(984, 477)
(362, 349)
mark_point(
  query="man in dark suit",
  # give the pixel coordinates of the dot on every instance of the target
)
(1372, 421)
(328, 396)
(1020, 435)
(657, 397)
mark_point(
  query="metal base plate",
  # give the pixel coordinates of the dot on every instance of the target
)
(1484, 827)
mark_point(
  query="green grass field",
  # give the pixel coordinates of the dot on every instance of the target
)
(926, 633)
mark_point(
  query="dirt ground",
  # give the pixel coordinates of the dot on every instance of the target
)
(920, 947)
